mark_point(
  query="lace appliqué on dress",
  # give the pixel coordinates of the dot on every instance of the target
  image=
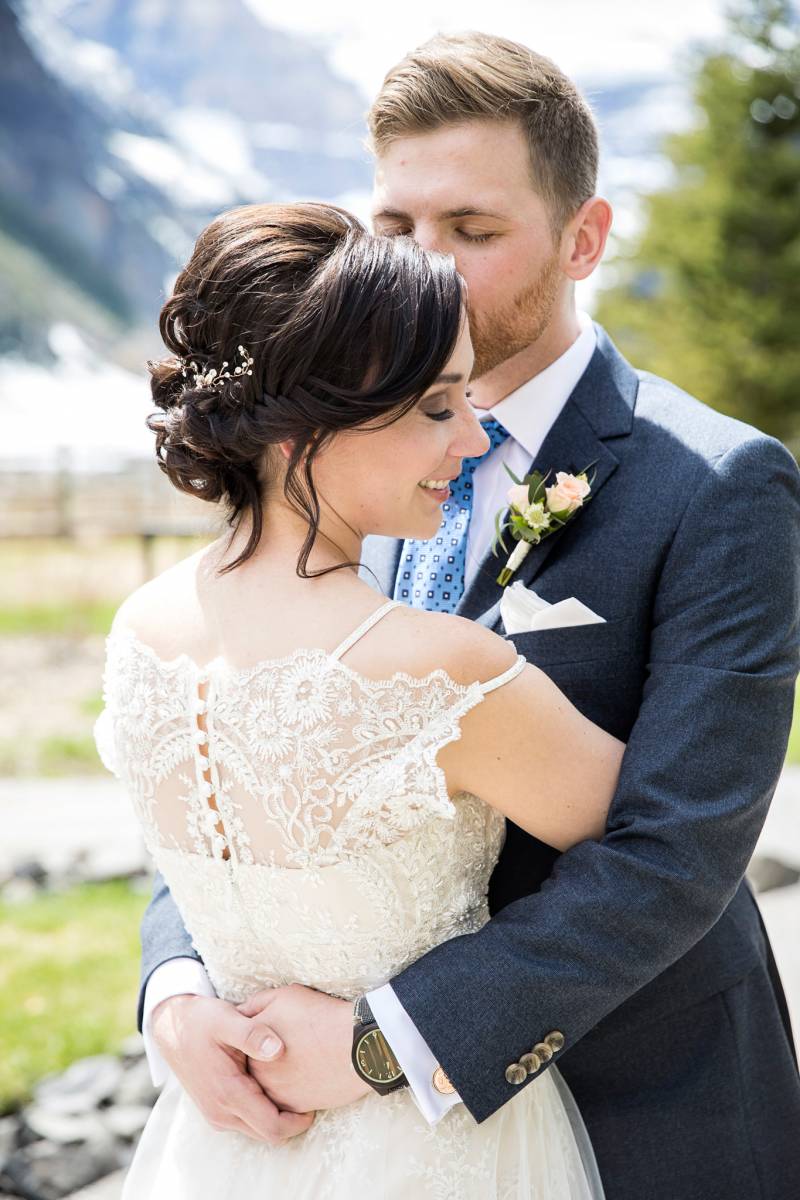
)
(302, 760)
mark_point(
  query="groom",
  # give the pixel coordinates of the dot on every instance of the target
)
(638, 964)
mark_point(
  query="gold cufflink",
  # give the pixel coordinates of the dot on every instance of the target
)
(441, 1083)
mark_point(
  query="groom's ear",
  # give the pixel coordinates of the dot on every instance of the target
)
(584, 238)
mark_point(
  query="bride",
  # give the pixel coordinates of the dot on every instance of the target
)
(321, 777)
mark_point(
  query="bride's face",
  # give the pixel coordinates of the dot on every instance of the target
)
(373, 479)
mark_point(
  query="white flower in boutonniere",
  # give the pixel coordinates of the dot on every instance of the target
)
(537, 511)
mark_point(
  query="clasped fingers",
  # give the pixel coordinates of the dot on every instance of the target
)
(245, 1108)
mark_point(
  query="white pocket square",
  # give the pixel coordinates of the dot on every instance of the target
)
(525, 612)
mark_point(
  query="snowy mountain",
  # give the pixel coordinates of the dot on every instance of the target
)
(125, 125)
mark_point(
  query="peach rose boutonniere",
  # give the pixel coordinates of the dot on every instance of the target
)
(536, 511)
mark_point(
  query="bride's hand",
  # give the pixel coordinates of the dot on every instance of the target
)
(208, 1044)
(315, 1071)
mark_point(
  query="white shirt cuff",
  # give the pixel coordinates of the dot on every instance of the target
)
(175, 977)
(412, 1052)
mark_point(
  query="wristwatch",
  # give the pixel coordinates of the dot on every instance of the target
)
(372, 1056)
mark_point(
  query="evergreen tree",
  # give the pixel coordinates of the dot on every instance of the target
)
(708, 293)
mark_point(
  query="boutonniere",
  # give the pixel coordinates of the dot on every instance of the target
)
(536, 511)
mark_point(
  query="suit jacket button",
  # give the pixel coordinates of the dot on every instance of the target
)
(544, 1051)
(516, 1073)
(555, 1041)
(531, 1062)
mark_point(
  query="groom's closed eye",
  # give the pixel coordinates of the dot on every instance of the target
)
(398, 231)
(393, 223)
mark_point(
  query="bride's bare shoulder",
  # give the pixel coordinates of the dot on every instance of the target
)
(148, 609)
(469, 652)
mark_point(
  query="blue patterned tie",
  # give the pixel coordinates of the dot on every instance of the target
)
(431, 574)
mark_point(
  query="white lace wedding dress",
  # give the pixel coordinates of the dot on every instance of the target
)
(297, 812)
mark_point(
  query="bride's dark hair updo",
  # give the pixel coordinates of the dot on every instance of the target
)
(345, 329)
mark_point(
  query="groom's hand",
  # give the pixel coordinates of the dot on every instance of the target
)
(315, 1071)
(208, 1045)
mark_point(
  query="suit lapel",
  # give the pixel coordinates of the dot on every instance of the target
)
(600, 408)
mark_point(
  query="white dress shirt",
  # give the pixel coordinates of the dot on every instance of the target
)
(528, 414)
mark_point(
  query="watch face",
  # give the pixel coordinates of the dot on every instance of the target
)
(375, 1060)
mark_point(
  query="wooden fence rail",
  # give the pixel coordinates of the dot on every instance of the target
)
(135, 499)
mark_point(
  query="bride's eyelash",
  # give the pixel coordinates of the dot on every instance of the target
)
(443, 415)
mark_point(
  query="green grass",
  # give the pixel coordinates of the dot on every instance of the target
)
(62, 755)
(52, 755)
(69, 968)
(75, 618)
(92, 705)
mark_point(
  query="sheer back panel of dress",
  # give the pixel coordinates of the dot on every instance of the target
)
(292, 762)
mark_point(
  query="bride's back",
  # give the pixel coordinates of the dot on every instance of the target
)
(293, 799)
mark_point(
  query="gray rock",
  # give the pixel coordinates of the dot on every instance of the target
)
(8, 1139)
(31, 869)
(767, 873)
(133, 1046)
(136, 1087)
(64, 1128)
(19, 891)
(44, 1171)
(109, 1188)
(82, 1086)
(126, 1120)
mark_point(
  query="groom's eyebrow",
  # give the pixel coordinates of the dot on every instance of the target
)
(471, 212)
(450, 215)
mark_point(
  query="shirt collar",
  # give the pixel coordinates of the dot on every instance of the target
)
(529, 412)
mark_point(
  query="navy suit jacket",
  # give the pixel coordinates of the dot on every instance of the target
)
(645, 949)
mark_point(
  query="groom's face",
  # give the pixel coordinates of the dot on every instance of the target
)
(467, 190)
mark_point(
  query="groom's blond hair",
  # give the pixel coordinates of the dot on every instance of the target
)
(460, 77)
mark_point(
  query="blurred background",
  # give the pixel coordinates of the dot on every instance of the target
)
(125, 125)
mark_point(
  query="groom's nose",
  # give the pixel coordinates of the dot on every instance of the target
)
(427, 235)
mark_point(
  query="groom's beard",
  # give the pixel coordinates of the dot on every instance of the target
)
(497, 336)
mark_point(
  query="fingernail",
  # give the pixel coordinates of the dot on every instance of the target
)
(270, 1047)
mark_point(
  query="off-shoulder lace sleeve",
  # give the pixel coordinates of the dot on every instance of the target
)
(412, 788)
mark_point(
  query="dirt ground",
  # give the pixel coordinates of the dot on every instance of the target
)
(57, 598)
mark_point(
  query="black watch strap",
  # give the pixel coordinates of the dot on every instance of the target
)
(362, 1013)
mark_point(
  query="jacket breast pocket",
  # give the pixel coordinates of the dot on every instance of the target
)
(615, 639)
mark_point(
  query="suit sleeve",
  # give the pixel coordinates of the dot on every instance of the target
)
(163, 936)
(700, 768)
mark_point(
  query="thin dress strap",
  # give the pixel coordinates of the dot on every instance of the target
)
(513, 670)
(371, 620)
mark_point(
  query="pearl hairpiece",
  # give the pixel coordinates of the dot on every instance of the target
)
(212, 377)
